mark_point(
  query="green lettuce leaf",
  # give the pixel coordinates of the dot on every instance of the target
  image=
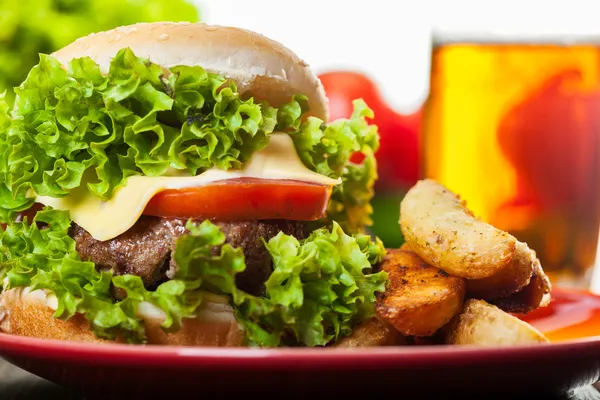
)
(350, 202)
(320, 287)
(199, 271)
(327, 149)
(76, 123)
(42, 255)
(319, 290)
(9, 205)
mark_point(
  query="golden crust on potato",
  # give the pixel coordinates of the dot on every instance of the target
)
(510, 279)
(450, 255)
(420, 298)
(535, 295)
(439, 227)
(373, 332)
(481, 323)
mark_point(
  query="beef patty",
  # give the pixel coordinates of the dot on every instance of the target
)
(145, 249)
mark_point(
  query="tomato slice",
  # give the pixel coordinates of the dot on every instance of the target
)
(243, 199)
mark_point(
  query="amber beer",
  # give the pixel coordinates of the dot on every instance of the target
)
(515, 129)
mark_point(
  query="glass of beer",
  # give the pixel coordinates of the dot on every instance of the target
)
(513, 126)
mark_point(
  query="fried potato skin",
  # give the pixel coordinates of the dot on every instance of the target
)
(535, 295)
(373, 333)
(481, 323)
(510, 279)
(438, 226)
(420, 299)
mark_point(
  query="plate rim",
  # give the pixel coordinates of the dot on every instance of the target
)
(61, 350)
(288, 359)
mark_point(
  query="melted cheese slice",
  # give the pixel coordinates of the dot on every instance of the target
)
(105, 220)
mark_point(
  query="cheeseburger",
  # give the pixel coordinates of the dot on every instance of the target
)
(173, 183)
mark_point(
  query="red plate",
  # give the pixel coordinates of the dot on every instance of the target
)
(172, 371)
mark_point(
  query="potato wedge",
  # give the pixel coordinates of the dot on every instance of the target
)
(371, 333)
(515, 276)
(536, 294)
(481, 323)
(438, 226)
(420, 298)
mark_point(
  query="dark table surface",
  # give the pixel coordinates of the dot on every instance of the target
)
(18, 384)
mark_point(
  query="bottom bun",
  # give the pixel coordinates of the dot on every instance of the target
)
(30, 313)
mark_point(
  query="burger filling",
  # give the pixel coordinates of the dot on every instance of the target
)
(146, 250)
(95, 209)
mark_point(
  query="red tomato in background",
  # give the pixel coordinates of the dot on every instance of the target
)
(398, 155)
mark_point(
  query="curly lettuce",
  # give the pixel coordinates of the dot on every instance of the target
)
(320, 288)
(9, 204)
(137, 120)
(42, 255)
(327, 149)
(350, 202)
